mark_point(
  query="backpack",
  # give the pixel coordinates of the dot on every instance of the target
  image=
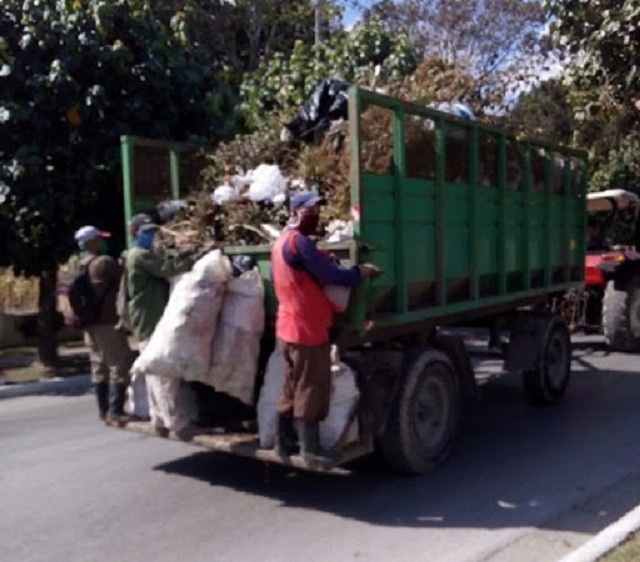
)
(82, 308)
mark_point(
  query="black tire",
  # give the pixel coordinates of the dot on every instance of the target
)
(547, 383)
(424, 417)
(621, 314)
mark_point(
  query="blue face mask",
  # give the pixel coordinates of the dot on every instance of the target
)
(145, 239)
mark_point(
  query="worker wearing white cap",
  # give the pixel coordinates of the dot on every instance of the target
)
(109, 351)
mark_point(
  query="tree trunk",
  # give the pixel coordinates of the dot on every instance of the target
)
(47, 319)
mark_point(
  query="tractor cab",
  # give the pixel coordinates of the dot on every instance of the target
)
(606, 210)
(611, 213)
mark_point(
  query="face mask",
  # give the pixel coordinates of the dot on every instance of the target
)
(145, 239)
(308, 224)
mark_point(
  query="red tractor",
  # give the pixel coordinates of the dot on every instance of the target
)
(610, 302)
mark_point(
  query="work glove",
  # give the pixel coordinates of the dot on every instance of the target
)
(369, 270)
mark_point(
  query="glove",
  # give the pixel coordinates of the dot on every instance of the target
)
(369, 270)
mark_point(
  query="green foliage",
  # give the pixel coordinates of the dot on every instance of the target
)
(74, 76)
(606, 37)
(237, 35)
(602, 40)
(366, 55)
(544, 113)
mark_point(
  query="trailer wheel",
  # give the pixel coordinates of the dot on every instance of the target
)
(423, 421)
(621, 314)
(547, 382)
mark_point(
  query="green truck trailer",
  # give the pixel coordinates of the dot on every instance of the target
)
(478, 228)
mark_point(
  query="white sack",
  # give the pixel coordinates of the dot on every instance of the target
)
(266, 183)
(180, 346)
(342, 409)
(137, 403)
(236, 344)
(171, 403)
(344, 402)
(268, 401)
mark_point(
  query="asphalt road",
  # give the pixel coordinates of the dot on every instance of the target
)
(525, 484)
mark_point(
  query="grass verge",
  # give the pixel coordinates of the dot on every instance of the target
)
(626, 551)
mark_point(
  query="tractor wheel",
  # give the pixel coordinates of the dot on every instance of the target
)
(424, 416)
(547, 383)
(621, 314)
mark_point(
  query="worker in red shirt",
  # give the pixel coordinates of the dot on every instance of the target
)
(300, 272)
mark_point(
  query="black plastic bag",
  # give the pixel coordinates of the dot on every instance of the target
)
(329, 102)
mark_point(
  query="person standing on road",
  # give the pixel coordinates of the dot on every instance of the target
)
(109, 351)
(148, 274)
(137, 403)
(300, 271)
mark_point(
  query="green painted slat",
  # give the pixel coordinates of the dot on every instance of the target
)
(174, 169)
(501, 237)
(399, 162)
(474, 193)
(548, 181)
(440, 242)
(127, 155)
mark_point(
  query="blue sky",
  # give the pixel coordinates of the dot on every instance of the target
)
(352, 14)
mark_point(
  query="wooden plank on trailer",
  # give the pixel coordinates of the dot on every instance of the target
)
(247, 445)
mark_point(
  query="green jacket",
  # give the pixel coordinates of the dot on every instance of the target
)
(148, 285)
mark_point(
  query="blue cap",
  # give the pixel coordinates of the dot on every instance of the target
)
(305, 199)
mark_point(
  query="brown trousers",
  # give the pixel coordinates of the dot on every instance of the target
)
(109, 354)
(307, 381)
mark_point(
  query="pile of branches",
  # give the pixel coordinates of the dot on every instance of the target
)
(323, 166)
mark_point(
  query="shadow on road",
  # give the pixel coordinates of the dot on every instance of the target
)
(516, 465)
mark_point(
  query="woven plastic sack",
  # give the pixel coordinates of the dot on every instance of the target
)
(180, 346)
(268, 401)
(236, 344)
(342, 409)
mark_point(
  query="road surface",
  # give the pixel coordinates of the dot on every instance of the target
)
(525, 484)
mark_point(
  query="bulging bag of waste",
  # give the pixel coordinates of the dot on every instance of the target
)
(268, 401)
(342, 409)
(329, 102)
(236, 344)
(267, 182)
(344, 403)
(224, 194)
(180, 346)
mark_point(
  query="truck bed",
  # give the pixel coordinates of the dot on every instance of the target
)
(248, 445)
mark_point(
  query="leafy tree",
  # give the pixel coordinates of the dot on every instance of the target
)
(545, 113)
(74, 76)
(602, 43)
(238, 35)
(365, 55)
(498, 43)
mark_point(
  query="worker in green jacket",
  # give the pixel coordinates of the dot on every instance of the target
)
(148, 274)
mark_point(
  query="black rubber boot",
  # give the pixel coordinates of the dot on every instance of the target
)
(310, 448)
(102, 396)
(117, 396)
(286, 438)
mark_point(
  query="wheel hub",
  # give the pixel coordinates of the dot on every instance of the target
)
(432, 410)
(556, 361)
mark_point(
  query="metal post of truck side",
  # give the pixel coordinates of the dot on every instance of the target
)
(127, 155)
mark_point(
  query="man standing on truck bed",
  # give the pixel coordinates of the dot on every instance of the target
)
(305, 314)
(148, 274)
(109, 351)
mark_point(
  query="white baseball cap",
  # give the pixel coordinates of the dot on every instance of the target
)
(88, 233)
